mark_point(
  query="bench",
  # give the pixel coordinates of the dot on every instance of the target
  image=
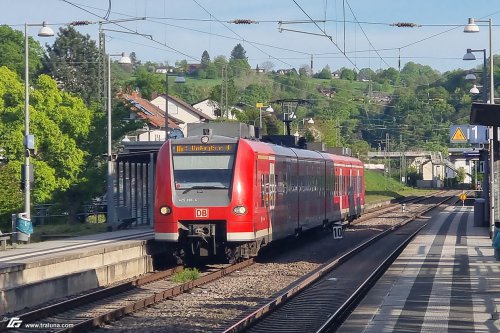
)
(3, 240)
(124, 218)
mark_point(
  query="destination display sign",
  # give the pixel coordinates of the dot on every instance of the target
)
(204, 148)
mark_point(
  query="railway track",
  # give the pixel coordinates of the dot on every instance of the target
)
(96, 309)
(92, 310)
(320, 301)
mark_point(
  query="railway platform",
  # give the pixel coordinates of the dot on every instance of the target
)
(446, 280)
(32, 274)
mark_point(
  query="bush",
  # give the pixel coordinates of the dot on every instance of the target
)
(189, 274)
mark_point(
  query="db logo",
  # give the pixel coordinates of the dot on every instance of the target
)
(201, 213)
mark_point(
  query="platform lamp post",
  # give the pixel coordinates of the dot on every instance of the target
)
(178, 79)
(110, 204)
(29, 140)
(472, 27)
(269, 110)
(470, 56)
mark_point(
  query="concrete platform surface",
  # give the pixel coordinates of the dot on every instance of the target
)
(55, 269)
(33, 252)
(446, 280)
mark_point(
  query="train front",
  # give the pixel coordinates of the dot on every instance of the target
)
(193, 195)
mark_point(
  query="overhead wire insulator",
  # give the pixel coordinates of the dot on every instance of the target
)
(78, 23)
(243, 21)
(405, 25)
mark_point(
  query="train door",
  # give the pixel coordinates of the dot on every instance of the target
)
(341, 191)
(350, 193)
(271, 193)
(262, 217)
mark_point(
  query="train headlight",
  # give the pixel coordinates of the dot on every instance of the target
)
(165, 210)
(240, 210)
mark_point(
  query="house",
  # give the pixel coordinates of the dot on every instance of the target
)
(336, 75)
(154, 117)
(287, 71)
(161, 70)
(326, 91)
(259, 70)
(211, 108)
(181, 110)
(193, 68)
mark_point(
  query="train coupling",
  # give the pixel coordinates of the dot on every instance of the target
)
(203, 231)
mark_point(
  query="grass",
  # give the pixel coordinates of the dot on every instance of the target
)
(69, 229)
(379, 188)
(188, 274)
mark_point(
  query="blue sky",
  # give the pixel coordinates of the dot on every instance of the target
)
(184, 29)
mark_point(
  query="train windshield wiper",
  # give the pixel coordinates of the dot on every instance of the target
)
(204, 187)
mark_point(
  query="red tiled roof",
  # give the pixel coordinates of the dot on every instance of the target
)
(149, 112)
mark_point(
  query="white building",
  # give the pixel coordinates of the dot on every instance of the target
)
(211, 108)
(182, 111)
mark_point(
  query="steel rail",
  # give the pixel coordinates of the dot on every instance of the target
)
(316, 275)
(338, 316)
(99, 320)
(72, 303)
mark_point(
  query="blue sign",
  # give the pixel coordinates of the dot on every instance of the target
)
(473, 134)
(459, 133)
(478, 134)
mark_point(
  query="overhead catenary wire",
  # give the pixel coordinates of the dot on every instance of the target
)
(197, 59)
(292, 21)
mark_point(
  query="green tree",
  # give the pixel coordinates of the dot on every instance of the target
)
(220, 63)
(238, 63)
(228, 88)
(182, 65)
(147, 83)
(73, 61)
(60, 123)
(348, 74)
(255, 93)
(325, 73)
(205, 59)
(238, 52)
(12, 51)
(460, 175)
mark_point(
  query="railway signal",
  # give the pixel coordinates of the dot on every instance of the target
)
(462, 197)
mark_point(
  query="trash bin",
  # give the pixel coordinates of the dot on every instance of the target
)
(24, 227)
(479, 212)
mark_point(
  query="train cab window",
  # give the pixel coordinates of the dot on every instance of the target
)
(203, 171)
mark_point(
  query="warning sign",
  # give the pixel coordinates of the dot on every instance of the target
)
(458, 134)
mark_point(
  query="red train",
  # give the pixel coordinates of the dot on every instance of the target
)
(221, 196)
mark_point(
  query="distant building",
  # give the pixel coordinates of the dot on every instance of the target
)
(154, 117)
(179, 109)
(193, 68)
(259, 70)
(286, 71)
(161, 70)
(211, 108)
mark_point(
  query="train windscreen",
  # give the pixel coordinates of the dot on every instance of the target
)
(210, 169)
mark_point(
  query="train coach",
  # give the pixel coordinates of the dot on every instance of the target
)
(227, 197)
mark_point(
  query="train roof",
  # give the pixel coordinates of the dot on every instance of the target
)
(270, 148)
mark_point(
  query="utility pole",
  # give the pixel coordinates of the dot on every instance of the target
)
(221, 106)
(387, 151)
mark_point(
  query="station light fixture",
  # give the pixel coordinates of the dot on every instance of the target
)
(45, 31)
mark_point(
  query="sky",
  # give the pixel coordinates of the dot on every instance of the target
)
(339, 33)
